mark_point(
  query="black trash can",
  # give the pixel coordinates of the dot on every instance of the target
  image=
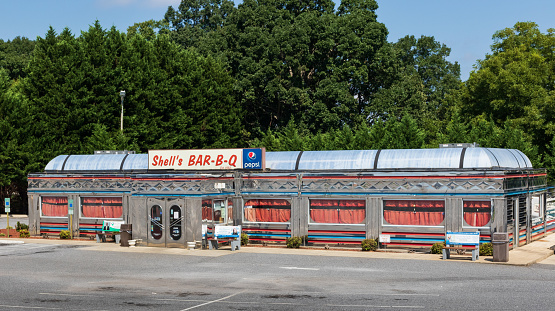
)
(500, 243)
(125, 233)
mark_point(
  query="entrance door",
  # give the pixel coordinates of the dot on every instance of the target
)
(166, 222)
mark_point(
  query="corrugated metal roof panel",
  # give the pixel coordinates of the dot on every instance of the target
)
(522, 158)
(495, 157)
(282, 160)
(56, 164)
(135, 162)
(338, 160)
(97, 162)
(441, 158)
(478, 158)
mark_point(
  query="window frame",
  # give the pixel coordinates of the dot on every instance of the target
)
(311, 222)
(488, 224)
(53, 196)
(245, 200)
(228, 205)
(387, 224)
(81, 198)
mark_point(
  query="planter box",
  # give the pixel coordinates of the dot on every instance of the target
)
(13, 233)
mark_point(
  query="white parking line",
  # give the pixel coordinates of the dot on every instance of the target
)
(297, 268)
(210, 302)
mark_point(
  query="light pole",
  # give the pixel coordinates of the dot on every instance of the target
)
(122, 95)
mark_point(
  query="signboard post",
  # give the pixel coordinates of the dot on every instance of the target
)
(7, 209)
(70, 212)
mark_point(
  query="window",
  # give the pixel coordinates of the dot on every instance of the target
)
(54, 206)
(414, 212)
(337, 211)
(477, 213)
(101, 207)
(216, 211)
(267, 210)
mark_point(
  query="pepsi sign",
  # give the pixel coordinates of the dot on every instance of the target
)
(253, 159)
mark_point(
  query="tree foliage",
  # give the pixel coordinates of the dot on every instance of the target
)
(280, 74)
(516, 83)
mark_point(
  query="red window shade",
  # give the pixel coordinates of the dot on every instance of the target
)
(207, 210)
(102, 207)
(267, 202)
(338, 211)
(267, 210)
(477, 213)
(414, 212)
(54, 206)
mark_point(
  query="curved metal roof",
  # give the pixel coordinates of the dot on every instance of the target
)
(387, 159)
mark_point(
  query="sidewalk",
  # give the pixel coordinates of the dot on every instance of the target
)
(521, 256)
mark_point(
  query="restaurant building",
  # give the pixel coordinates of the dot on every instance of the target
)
(405, 197)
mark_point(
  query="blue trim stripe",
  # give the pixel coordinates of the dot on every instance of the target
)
(271, 193)
(53, 228)
(336, 237)
(90, 229)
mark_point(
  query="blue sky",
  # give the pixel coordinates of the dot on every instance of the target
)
(464, 26)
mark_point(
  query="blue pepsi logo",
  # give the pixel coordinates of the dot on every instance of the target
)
(252, 155)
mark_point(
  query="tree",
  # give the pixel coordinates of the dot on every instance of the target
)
(516, 82)
(13, 157)
(176, 99)
(15, 55)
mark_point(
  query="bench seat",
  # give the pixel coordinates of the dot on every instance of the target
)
(475, 251)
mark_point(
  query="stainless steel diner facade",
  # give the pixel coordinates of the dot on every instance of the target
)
(408, 197)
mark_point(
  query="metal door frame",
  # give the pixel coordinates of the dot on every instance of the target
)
(166, 240)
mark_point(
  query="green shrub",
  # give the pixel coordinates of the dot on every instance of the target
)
(437, 248)
(369, 245)
(21, 226)
(24, 233)
(294, 242)
(486, 249)
(64, 234)
(2, 234)
(244, 238)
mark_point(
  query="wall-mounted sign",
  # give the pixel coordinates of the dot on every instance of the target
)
(70, 207)
(385, 238)
(207, 159)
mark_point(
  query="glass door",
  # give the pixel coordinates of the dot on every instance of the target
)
(166, 222)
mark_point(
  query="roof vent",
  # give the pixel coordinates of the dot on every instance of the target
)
(459, 145)
(114, 152)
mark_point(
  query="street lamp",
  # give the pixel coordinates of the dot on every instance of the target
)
(122, 95)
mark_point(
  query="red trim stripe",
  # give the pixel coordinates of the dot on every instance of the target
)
(304, 177)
